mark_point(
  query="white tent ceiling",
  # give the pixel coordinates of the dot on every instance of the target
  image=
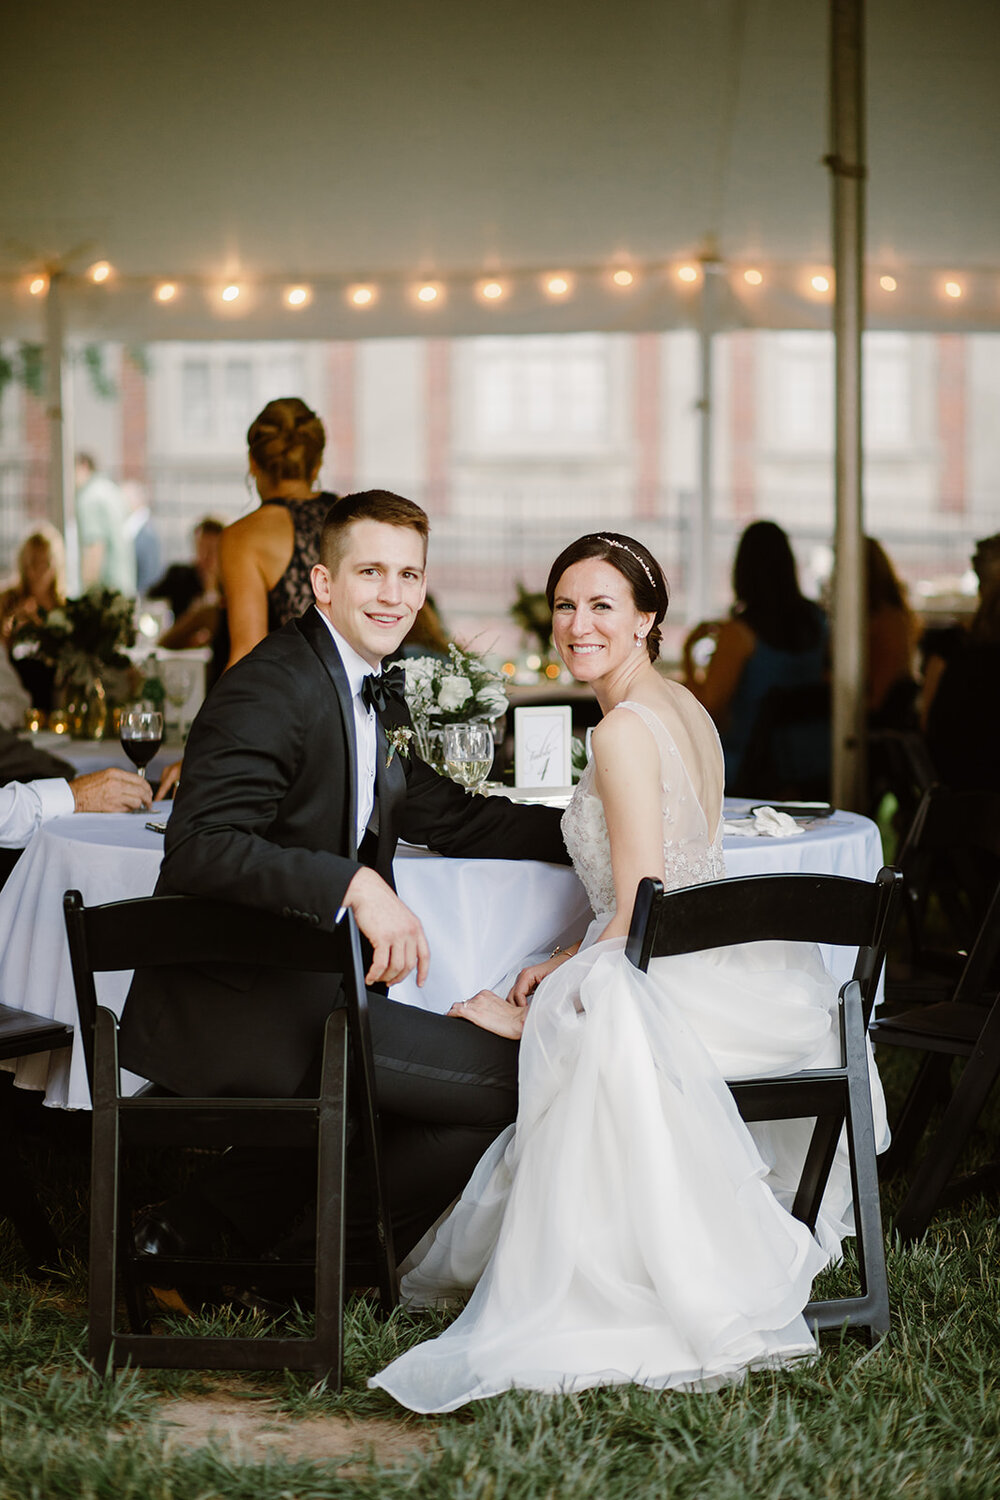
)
(328, 143)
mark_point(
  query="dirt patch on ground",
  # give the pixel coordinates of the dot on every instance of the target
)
(254, 1426)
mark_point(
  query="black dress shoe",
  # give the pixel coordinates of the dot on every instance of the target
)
(184, 1226)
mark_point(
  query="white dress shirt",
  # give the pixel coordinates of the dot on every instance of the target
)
(26, 805)
(357, 669)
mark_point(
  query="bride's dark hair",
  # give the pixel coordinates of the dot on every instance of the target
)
(634, 562)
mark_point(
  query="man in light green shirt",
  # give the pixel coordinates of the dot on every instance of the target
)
(107, 554)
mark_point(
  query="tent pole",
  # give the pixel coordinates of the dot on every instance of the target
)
(55, 408)
(700, 597)
(847, 166)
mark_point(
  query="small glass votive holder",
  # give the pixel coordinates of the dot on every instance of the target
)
(34, 720)
(59, 721)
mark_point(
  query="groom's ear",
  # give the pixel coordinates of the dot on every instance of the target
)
(321, 583)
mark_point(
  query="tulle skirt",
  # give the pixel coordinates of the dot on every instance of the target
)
(631, 1228)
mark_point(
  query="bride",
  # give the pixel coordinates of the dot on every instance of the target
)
(630, 1227)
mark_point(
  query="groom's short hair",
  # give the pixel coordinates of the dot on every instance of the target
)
(368, 505)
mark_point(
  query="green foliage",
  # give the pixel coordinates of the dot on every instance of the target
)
(531, 612)
(84, 634)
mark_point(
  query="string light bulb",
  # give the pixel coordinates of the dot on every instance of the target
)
(361, 296)
(492, 291)
(688, 274)
(166, 291)
(428, 293)
(37, 285)
(623, 277)
(887, 283)
(753, 277)
(953, 289)
(230, 292)
(298, 296)
(820, 283)
(100, 271)
(557, 286)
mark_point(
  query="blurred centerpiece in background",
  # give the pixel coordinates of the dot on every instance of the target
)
(85, 640)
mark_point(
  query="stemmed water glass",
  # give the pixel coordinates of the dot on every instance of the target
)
(177, 684)
(468, 754)
(140, 730)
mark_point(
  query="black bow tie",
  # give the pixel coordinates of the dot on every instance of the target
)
(378, 691)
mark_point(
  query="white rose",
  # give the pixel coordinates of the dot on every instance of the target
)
(493, 698)
(419, 670)
(453, 692)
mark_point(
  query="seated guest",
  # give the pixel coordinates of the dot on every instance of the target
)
(774, 638)
(37, 786)
(963, 721)
(940, 645)
(192, 591)
(892, 636)
(40, 586)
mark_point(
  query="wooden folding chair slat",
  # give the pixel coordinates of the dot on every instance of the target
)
(182, 930)
(811, 908)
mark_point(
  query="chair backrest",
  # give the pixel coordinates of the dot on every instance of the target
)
(166, 931)
(951, 853)
(829, 909)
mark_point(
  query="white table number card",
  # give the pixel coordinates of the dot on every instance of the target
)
(542, 746)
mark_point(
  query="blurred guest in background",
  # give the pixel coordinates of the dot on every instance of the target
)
(39, 587)
(775, 638)
(963, 717)
(892, 638)
(266, 557)
(107, 556)
(145, 541)
(939, 646)
(192, 591)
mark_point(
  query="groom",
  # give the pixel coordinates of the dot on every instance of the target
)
(293, 801)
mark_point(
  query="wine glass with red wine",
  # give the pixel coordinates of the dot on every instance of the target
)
(141, 731)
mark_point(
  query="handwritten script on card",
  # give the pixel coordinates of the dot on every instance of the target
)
(542, 746)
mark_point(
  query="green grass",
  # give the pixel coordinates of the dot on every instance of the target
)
(918, 1416)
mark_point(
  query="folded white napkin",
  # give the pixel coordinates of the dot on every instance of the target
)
(764, 822)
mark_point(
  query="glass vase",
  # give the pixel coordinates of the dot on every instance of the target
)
(86, 707)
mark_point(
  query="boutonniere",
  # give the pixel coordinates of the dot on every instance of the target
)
(398, 741)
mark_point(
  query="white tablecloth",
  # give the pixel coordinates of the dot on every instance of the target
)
(483, 918)
(97, 755)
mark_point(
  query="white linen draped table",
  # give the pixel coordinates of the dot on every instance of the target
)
(483, 918)
(97, 755)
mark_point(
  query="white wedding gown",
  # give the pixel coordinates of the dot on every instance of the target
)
(631, 1227)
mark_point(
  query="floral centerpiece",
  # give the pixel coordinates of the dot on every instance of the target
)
(532, 613)
(452, 690)
(84, 639)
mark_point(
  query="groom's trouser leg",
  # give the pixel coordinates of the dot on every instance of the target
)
(445, 1090)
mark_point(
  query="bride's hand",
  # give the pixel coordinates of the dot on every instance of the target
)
(492, 1013)
(529, 979)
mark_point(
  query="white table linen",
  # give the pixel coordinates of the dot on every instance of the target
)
(484, 919)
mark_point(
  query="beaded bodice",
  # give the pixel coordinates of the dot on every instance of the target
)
(692, 853)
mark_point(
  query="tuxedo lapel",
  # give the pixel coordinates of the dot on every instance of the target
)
(390, 794)
(321, 641)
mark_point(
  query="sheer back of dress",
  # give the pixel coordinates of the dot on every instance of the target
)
(691, 784)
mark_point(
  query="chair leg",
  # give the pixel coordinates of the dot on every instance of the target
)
(331, 1147)
(925, 1091)
(945, 1147)
(103, 1195)
(864, 1182)
(18, 1200)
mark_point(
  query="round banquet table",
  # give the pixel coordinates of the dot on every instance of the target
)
(484, 918)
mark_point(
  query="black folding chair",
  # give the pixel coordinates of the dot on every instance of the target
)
(811, 908)
(21, 1034)
(953, 994)
(175, 930)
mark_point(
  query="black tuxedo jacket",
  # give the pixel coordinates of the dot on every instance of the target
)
(265, 815)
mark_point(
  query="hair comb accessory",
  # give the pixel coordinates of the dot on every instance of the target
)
(644, 566)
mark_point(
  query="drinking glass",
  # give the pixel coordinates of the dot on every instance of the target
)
(178, 680)
(468, 754)
(140, 732)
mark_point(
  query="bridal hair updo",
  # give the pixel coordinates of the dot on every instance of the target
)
(634, 562)
(286, 440)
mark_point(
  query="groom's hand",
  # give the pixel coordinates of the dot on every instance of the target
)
(395, 934)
